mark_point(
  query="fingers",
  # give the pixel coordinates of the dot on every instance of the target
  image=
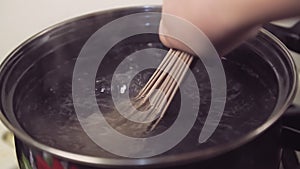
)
(171, 42)
(235, 38)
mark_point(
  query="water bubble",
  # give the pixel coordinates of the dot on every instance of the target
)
(123, 89)
(150, 44)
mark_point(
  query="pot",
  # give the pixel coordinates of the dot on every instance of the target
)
(35, 104)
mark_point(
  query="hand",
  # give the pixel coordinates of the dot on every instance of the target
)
(227, 23)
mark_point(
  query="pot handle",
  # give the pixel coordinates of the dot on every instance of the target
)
(289, 159)
(289, 36)
(291, 128)
(291, 137)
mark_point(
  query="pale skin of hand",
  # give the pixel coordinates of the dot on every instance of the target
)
(227, 23)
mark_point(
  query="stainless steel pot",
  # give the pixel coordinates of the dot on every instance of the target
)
(57, 47)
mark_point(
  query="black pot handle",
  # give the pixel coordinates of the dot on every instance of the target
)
(291, 137)
(291, 128)
(289, 159)
(289, 36)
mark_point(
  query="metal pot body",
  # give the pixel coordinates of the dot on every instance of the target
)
(264, 152)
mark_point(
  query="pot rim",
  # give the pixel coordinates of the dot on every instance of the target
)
(153, 161)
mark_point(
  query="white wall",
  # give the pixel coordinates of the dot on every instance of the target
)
(20, 19)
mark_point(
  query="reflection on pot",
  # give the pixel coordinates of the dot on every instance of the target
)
(42, 161)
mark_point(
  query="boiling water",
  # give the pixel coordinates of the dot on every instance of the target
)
(47, 113)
